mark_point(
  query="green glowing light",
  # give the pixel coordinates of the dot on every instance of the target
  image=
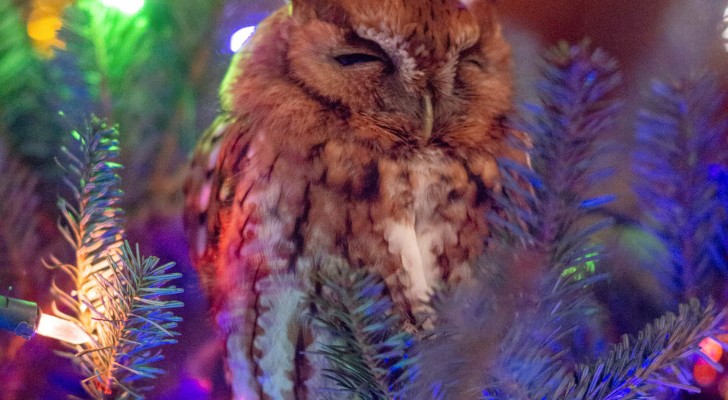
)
(582, 271)
(128, 7)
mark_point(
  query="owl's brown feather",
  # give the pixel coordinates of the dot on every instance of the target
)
(317, 155)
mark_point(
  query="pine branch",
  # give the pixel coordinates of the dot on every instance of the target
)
(105, 54)
(136, 322)
(369, 356)
(654, 360)
(717, 247)
(144, 71)
(532, 294)
(93, 226)
(117, 296)
(576, 108)
(680, 136)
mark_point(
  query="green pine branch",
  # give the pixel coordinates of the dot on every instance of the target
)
(369, 353)
(94, 225)
(147, 72)
(116, 296)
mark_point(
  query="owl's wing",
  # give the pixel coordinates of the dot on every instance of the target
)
(241, 213)
(201, 217)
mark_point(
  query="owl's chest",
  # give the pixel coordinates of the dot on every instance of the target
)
(418, 221)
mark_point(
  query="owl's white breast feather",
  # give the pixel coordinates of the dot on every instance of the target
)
(402, 240)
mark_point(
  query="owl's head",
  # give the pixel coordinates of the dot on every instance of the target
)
(417, 67)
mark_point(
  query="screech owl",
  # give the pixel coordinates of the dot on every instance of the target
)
(362, 129)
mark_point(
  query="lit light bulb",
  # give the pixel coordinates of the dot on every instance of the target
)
(704, 373)
(725, 32)
(240, 37)
(24, 319)
(61, 329)
(128, 7)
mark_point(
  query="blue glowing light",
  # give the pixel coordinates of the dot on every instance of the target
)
(240, 37)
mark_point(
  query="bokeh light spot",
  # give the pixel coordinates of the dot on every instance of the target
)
(704, 373)
(725, 32)
(44, 28)
(128, 7)
(240, 37)
(712, 349)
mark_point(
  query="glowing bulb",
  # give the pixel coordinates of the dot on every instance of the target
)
(44, 29)
(61, 329)
(240, 37)
(712, 349)
(128, 7)
(703, 372)
(725, 32)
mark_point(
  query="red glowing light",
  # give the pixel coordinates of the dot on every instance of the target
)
(704, 373)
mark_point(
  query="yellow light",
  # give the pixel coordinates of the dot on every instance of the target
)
(44, 28)
(61, 329)
(128, 7)
(240, 37)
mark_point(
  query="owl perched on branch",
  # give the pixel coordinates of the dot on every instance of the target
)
(362, 129)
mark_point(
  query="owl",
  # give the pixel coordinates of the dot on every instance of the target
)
(366, 130)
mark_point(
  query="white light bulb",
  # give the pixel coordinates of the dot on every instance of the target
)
(725, 32)
(61, 329)
(240, 37)
(126, 6)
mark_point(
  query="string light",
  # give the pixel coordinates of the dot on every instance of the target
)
(240, 37)
(44, 22)
(705, 374)
(128, 7)
(43, 28)
(725, 32)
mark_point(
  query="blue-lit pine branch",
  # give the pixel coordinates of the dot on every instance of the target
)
(137, 320)
(368, 355)
(681, 156)
(654, 360)
(550, 272)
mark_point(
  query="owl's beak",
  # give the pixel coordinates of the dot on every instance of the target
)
(428, 117)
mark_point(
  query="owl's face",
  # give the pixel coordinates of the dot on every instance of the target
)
(424, 70)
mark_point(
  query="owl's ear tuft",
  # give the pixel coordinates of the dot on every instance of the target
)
(326, 10)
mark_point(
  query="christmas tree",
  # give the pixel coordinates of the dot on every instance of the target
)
(101, 102)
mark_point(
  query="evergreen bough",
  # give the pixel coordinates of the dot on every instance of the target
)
(117, 297)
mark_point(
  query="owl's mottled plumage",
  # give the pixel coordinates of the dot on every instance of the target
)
(363, 129)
